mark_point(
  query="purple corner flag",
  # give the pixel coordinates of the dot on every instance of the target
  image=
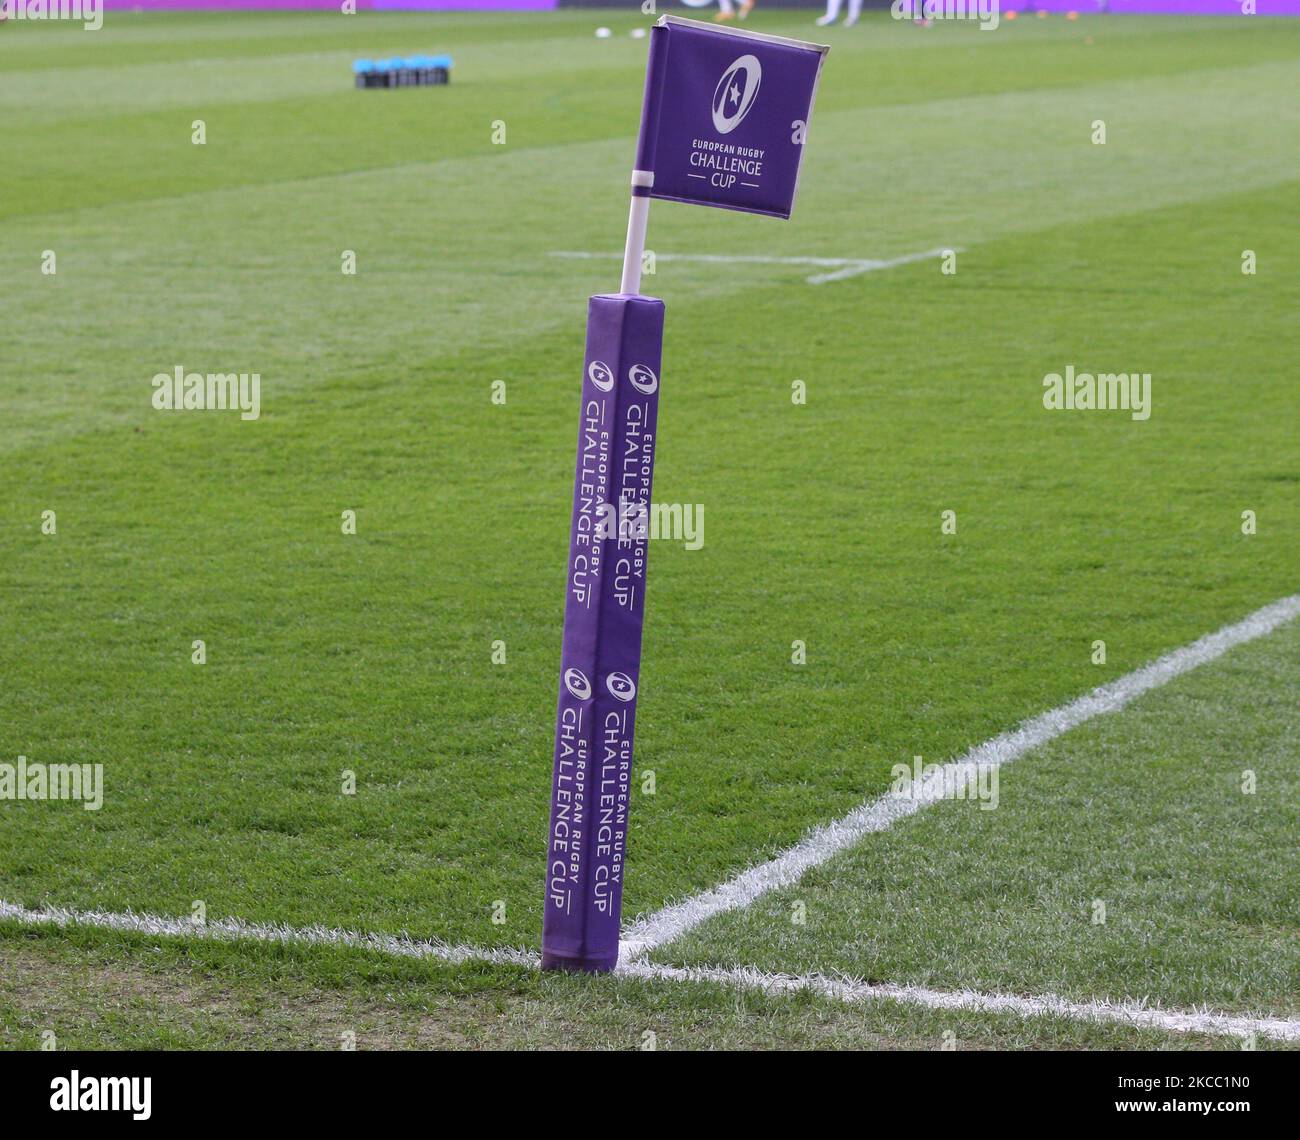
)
(724, 122)
(725, 115)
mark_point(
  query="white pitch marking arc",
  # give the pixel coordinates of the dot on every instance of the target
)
(837, 989)
(840, 267)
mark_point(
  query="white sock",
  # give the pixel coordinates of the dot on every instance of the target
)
(832, 11)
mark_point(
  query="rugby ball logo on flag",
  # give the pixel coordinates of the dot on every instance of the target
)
(725, 116)
(736, 92)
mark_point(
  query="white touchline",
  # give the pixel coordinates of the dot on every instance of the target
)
(841, 267)
(236, 930)
(1123, 1013)
(400, 946)
(877, 814)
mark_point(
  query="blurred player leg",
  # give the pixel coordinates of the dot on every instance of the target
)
(832, 13)
(726, 12)
(855, 10)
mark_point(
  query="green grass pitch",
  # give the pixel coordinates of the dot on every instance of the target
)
(372, 653)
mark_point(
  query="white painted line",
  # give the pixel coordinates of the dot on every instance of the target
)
(234, 930)
(1124, 1013)
(822, 843)
(841, 267)
(853, 270)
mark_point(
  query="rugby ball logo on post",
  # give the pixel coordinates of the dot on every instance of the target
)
(600, 374)
(734, 96)
(643, 379)
(620, 686)
(575, 680)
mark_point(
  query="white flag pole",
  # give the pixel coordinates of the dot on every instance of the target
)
(638, 216)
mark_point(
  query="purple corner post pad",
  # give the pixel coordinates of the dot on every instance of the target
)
(600, 668)
(725, 115)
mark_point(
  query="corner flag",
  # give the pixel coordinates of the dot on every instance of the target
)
(725, 116)
(723, 124)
